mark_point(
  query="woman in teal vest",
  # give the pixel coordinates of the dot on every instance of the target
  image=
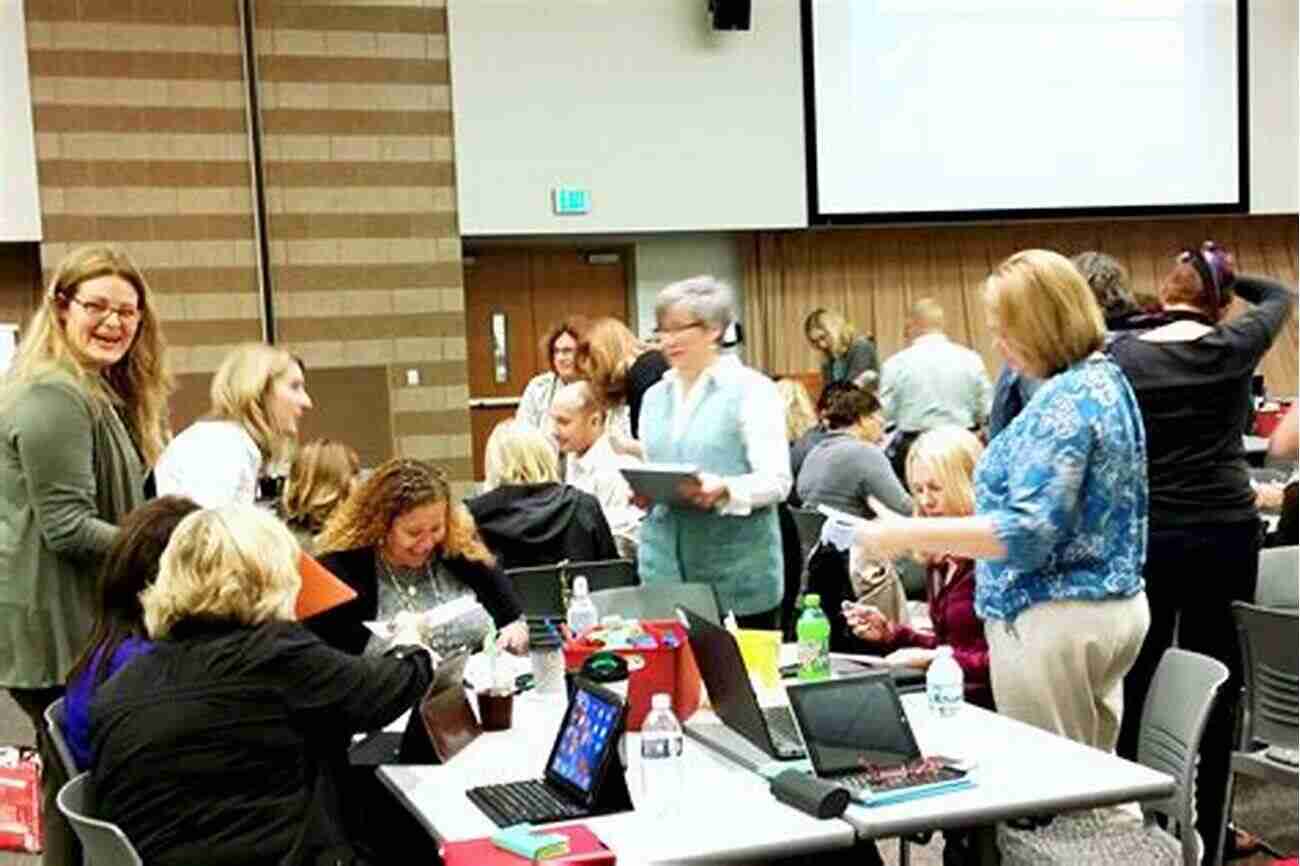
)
(714, 413)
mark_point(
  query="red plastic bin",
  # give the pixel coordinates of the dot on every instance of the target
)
(669, 669)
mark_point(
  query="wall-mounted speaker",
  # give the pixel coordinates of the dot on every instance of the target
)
(730, 14)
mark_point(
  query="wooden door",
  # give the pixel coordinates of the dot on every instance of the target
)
(518, 294)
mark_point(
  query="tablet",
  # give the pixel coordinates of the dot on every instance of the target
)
(659, 482)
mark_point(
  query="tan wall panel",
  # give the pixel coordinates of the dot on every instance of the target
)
(874, 275)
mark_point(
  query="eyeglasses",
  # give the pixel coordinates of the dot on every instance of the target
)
(100, 311)
(677, 331)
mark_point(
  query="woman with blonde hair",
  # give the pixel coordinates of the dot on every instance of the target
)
(257, 396)
(800, 417)
(940, 471)
(322, 476)
(226, 742)
(621, 369)
(1060, 524)
(526, 515)
(406, 546)
(82, 416)
(846, 356)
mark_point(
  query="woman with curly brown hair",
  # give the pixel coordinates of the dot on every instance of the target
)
(621, 369)
(560, 346)
(406, 546)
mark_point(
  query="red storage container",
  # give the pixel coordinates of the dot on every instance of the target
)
(665, 668)
(20, 799)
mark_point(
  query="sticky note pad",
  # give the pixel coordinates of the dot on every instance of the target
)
(520, 839)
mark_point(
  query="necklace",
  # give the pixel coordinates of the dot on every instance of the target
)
(406, 592)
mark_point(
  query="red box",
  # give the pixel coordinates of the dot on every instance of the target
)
(669, 669)
(1266, 420)
(20, 799)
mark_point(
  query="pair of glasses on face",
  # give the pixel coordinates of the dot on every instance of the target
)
(99, 311)
(678, 330)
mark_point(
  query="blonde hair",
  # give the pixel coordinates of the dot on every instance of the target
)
(139, 383)
(605, 352)
(1046, 309)
(800, 417)
(519, 453)
(398, 486)
(319, 479)
(926, 314)
(950, 454)
(839, 329)
(233, 563)
(240, 388)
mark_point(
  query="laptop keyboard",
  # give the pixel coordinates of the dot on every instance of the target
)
(781, 726)
(522, 802)
(923, 772)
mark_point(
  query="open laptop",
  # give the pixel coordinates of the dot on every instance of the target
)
(717, 654)
(583, 756)
(858, 736)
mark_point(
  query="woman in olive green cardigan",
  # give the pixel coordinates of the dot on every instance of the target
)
(81, 419)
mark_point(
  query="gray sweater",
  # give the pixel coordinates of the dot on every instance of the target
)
(69, 472)
(842, 471)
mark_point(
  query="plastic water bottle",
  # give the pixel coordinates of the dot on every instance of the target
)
(814, 633)
(661, 758)
(582, 613)
(944, 684)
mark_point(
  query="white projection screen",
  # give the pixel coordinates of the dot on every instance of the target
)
(956, 109)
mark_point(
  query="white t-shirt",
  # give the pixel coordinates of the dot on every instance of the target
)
(215, 463)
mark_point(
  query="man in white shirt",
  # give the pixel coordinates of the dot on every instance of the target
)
(592, 464)
(934, 382)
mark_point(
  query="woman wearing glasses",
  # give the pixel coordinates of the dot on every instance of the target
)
(258, 395)
(1192, 378)
(714, 413)
(82, 412)
(560, 346)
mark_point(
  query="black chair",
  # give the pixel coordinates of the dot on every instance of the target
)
(544, 589)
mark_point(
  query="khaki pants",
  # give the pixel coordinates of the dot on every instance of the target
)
(1060, 666)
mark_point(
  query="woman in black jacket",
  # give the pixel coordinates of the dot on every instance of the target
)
(527, 516)
(225, 744)
(406, 547)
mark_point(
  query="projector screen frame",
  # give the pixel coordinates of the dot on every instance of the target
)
(817, 218)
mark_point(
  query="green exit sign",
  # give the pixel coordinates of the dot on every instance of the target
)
(569, 200)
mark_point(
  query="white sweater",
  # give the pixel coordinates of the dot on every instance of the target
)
(215, 463)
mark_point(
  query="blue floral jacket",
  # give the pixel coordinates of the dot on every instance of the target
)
(1065, 485)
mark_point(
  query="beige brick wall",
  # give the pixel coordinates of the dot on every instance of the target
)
(140, 115)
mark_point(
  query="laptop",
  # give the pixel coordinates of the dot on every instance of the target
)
(542, 588)
(858, 736)
(717, 654)
(583, 755)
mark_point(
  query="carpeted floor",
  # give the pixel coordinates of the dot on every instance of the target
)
(1268, 810)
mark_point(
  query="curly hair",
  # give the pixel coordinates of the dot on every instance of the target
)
(574, 326)
(395, 488)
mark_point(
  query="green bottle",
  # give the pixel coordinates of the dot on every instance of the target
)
(814, 633)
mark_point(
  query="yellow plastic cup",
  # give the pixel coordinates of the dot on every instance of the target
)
(761, 650)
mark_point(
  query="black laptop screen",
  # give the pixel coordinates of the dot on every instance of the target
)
(589, 727)
(848, 723)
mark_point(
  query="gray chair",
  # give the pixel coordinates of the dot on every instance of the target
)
(1269, 655)
(1182, 694)
(104, 842)
(659, 601)
(544, 589)
(1279, 578)
(808, 523)
(54, 726)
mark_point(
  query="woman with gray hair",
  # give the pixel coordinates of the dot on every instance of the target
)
(727, 420)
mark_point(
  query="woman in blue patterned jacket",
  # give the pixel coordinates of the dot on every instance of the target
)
(1060, 521)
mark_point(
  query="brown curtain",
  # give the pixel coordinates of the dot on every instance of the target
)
(874, 275)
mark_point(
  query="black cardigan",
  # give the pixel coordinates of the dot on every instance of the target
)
(225, 745)
(343, 627)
